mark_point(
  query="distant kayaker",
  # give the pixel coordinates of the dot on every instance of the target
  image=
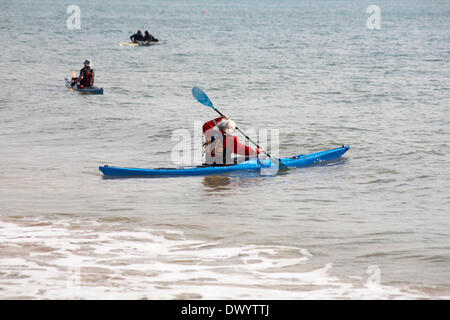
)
(137, 37)
(149, 37)
(221, 143)
(86, 77)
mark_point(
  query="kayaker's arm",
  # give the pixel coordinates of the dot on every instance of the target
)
(81, 74)
(211, 124)
(242, 149)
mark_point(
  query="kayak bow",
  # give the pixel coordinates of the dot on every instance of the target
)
(298, 161)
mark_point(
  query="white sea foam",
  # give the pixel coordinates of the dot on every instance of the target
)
(57, 261)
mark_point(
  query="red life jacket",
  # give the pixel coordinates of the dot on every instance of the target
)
(88, 78)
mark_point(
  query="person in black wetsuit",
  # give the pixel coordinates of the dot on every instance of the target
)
(149, 37)
(137, 37)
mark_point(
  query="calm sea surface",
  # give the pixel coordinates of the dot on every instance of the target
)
(375, 224)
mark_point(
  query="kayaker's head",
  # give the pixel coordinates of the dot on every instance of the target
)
(88, 63)
(227, 126)
(139, 32)
(146, 32)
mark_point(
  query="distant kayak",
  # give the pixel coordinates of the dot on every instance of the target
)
(90, 90)
(250, 165)
(140, 43)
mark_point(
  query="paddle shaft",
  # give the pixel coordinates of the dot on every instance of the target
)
(201, 97)
(247, 137)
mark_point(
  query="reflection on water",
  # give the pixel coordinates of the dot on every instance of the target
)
(238, 179)
(234, 181)
(216, 183)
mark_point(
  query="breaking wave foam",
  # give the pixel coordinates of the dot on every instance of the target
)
(88, 259)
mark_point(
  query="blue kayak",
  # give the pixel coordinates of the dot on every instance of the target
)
(90, 90)
(302, 160)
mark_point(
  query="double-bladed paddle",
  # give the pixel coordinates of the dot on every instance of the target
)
(201, 97)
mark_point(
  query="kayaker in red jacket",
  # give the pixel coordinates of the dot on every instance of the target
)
(86, 77)
(221, 142)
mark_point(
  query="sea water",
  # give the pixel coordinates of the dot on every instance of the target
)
(373, 225)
